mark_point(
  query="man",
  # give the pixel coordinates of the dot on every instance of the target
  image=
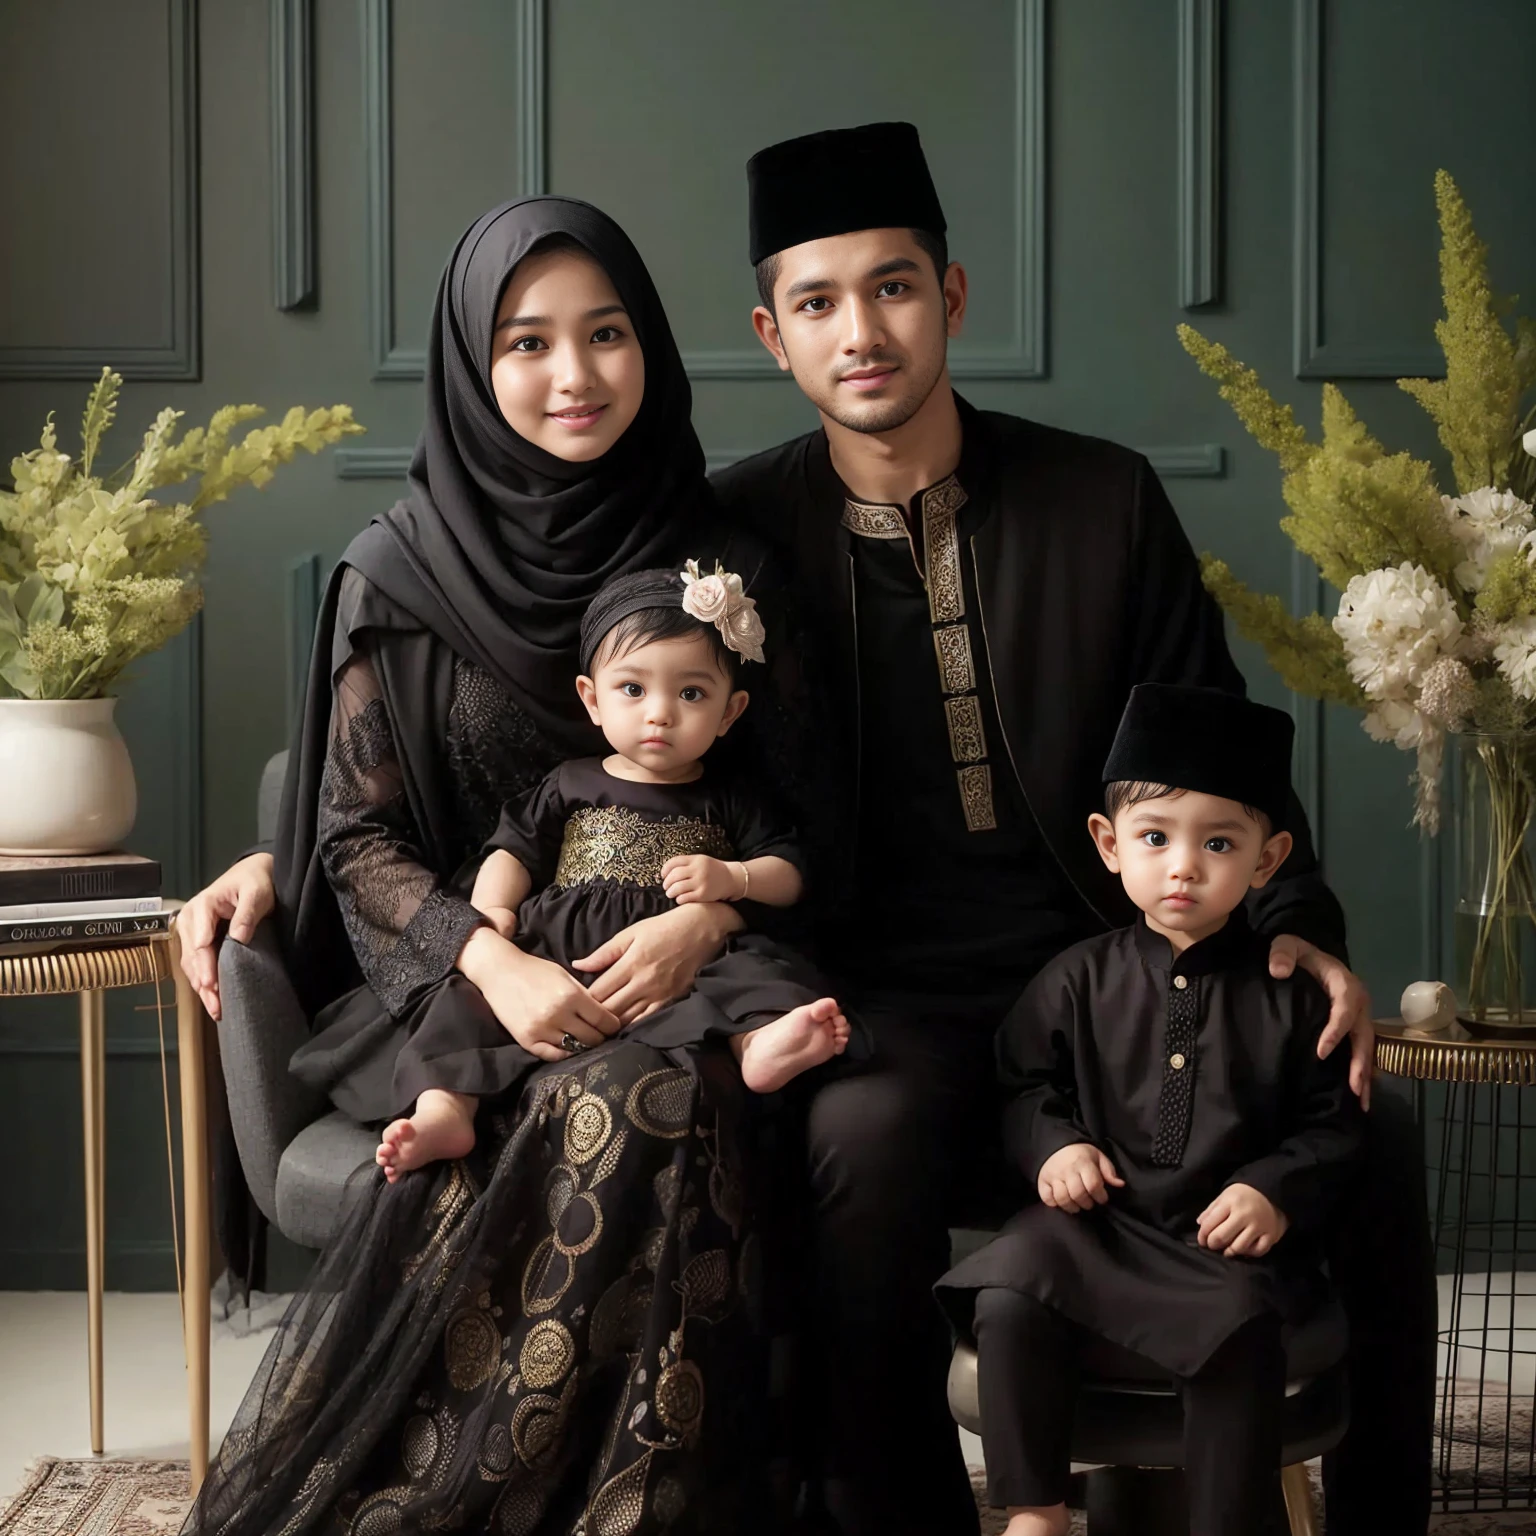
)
(992, 589)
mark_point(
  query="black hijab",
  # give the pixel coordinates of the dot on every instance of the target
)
(498, 546)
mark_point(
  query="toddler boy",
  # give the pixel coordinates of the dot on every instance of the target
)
(1183, 1135)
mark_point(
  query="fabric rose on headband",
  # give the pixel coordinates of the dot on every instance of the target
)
(719, 600)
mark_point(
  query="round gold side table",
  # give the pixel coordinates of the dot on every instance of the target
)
(144, 961)
(1481, 1205)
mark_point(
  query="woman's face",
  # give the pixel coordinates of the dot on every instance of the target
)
(566, 367)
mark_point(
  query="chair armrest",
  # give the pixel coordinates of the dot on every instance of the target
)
(262, 1025)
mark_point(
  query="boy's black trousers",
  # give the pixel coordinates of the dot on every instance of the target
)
(906, 1145)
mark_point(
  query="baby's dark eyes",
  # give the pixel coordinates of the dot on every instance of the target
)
(632, 690)
(1155, 839)
(691, 695)
(1218, 844)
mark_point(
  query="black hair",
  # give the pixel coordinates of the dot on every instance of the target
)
(934, 247)
(1122, 794)
(645, 625)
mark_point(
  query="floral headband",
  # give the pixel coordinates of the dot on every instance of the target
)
(718, 599)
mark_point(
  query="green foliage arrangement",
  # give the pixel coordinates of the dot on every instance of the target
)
(1436, 625)
(95, 573)
(1435, 631)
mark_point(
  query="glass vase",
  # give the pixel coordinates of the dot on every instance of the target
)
(1495, 921)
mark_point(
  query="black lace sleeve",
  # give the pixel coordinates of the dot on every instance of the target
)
(406, 926)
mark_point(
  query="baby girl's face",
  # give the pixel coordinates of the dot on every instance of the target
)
(662, 705)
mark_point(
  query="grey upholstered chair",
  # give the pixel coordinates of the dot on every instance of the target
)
(1129, 1424)
(296, 1151)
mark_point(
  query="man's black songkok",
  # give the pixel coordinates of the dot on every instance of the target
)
(834, 183)
(1205, 740)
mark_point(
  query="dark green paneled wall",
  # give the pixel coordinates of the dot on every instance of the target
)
(1073, 141)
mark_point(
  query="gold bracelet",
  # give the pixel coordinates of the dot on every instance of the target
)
(746, 880)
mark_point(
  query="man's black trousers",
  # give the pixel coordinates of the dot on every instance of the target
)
(906, 1145)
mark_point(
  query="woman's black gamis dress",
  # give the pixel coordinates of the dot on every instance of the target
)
(558, 1332)
(595, 846)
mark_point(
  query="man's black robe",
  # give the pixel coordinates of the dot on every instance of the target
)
(1077, 584)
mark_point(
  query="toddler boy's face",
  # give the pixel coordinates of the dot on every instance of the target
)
(1187, 859)
(663, 704)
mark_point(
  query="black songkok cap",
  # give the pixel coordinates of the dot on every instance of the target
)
(834, 183)
(1208, 741)
(619, 598)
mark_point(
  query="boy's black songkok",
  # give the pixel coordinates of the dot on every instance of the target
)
(1205, 740)
(834, 183)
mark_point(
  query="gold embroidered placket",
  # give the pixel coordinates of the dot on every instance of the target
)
(957, 672)
(939, 570)
(967, 738)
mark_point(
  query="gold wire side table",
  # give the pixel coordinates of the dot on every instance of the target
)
(91, 972)
(1484, 1219)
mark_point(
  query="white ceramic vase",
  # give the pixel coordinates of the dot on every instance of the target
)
(66, 781)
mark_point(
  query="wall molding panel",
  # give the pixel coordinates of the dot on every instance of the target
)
(392, 361)
(371, 463)
(179, 355)
(1307, 597)
(184, 872)
(1200, 172)
(293, 154)
(1024, 357)
(303, 614)
(1315, 357)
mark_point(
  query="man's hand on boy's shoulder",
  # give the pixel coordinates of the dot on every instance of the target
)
(1242, 1223)
(1074, 1178)
(1349, 1006)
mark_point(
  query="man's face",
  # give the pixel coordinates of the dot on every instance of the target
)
(863, 322)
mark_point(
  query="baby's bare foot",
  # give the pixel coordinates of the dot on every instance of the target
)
(1047, 1520)
(442, 1128)
(802, 1039)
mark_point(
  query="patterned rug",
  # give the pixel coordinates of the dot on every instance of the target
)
(149, 1498)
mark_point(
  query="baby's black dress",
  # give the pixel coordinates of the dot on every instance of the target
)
(595, 846)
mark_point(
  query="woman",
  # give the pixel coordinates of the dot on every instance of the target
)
(554, 1333)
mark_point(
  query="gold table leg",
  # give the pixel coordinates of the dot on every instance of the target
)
(93, 1071)
(1297, 1486)
(194, 1175)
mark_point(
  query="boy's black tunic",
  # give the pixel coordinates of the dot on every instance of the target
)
(1190, 1073)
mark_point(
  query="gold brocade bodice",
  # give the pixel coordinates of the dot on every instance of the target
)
(614, 843)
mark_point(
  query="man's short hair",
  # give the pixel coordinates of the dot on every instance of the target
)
(934, 247)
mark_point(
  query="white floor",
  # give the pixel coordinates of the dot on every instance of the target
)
(45, 1388)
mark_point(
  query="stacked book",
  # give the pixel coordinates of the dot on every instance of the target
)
(79, 900)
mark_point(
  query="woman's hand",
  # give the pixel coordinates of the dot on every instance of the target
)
(697, 877)
(536, 1001)
(652, 962)
(243, 895)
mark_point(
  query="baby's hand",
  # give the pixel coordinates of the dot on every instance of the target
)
(697, 877)
(1074, 1178)
(1241, 1221)
(502, 919)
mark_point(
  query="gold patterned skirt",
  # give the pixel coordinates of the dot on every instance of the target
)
(553, 1336)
